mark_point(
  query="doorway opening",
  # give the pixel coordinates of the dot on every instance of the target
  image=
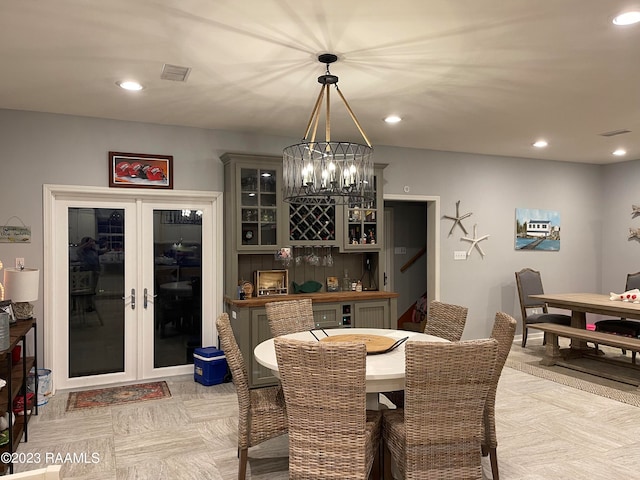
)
(412, 249)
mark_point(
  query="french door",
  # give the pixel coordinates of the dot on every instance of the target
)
(126, 274)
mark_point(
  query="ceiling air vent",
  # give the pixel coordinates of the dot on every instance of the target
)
(613, 133)
(175, 73)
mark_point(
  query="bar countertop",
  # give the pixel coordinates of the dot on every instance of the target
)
(323, 297)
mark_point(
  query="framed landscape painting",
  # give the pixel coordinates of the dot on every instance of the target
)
(537, 229)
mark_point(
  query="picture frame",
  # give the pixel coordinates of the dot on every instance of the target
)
(332, 284)
(537, 229)
(140, 170)
(7, 307)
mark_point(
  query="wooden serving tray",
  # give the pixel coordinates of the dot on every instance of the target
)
(374, 343)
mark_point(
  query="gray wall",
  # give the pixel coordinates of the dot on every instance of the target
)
(492, 188)
(595, 255)
(620, 255)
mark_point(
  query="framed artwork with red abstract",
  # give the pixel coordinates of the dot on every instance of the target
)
(140, 170)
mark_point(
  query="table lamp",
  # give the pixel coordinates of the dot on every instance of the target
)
(21, 287)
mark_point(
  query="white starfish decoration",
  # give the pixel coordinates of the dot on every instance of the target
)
(635, 211)
(475, 241)
(457, 220)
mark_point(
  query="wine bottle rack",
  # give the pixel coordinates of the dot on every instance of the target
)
(315, 223)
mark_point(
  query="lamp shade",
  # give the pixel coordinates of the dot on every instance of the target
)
(21, 285)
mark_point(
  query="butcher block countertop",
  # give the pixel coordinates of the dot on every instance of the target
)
(324, 297)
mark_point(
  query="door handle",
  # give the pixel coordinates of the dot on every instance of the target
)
(146, 295)
(133, 299)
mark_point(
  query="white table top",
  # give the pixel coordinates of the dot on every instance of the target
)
(183, 287)
(385, 372)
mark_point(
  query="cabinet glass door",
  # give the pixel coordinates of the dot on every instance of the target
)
(362, 221)
(258, 207)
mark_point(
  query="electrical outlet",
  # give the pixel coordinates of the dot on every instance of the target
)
(19, 262)
(459, 255)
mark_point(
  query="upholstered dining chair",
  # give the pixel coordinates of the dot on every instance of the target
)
(331, 434)
(529, 282)
(504, 329)
(623, 326)
(290, 316)
(444, 320)
(261, 411)
(438, 433)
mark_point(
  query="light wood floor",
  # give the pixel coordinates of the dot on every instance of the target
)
(545, 431)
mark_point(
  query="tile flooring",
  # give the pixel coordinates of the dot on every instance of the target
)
(545, 431)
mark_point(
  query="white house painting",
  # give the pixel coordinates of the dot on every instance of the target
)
(537, 229)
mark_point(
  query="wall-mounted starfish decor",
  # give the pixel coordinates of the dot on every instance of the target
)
(475, 241)
(457, 220)
(635, 211)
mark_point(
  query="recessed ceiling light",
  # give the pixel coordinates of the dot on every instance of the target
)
(393, 119)
(620, 152)
(128, 85)
(540, 144)
(627, 18)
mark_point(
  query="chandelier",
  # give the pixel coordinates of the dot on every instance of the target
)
(328, 172)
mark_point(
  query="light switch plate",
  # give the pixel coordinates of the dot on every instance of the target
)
(460, 255)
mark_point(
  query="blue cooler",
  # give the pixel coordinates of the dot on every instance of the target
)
(210, 366)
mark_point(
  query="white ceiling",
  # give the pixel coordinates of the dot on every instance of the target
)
(483, 76)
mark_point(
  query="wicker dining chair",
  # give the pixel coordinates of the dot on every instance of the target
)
(290, 316)
(504, 329)
(529, 282)
(438, 433)
(331, 434)
(261, 411)
(444, 320)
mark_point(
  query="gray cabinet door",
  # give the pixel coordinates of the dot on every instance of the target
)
(374, 314)
(327, 315)
(260, 331)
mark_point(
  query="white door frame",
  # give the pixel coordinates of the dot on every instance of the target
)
(212, 239)
(433, 238)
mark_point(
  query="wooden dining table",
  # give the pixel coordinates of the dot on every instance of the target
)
(599, 304)
(582, 303)
(385, 372)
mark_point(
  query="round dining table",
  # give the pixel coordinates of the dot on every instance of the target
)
(179, 289)
(385, 371)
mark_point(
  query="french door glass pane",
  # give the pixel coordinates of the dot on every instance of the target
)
(177, 251)
(96, 288)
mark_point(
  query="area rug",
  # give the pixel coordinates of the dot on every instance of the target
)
(571, 378)
(107, 397)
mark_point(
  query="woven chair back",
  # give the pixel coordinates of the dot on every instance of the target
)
(446, 389)
(325, 394)
(446, 320)
(290, 316)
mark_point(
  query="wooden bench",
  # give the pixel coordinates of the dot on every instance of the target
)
(553, 331)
